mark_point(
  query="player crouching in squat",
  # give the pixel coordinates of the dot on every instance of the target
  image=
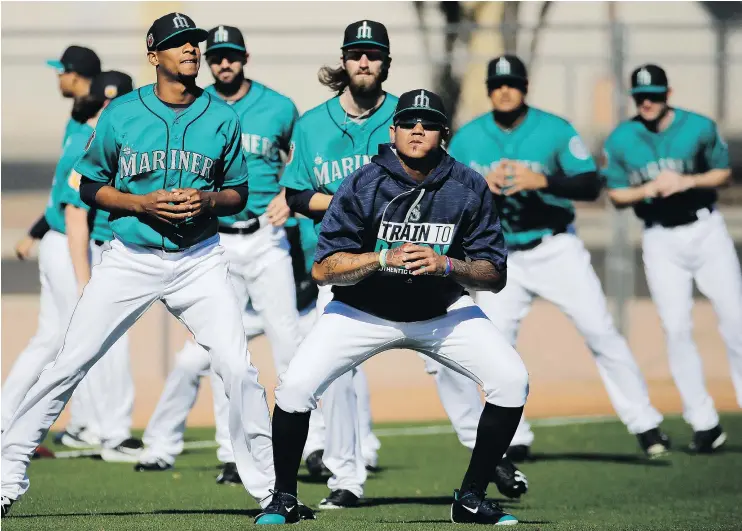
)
(404, 238)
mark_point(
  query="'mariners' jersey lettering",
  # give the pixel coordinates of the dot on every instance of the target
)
(329, 171)
(133, 164)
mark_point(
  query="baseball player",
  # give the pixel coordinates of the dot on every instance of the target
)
(536, 164)
(667, 163)
(75, 69)
(166, 160)
(164, 434)
(254, 242)
(403, 239)
(353, 124)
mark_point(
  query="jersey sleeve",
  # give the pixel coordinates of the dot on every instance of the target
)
(234, 162)
(70, 189)
(483, 239)
(287, 129)
(716, 151)
(342, 225)
(613, 170)
(573, 155)
(296, 174)
(99, 161)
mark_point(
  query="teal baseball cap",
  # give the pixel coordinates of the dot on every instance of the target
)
(78, 59)
(366, 34)
(649, 79)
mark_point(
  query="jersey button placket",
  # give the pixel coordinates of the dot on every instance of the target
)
(173, 176)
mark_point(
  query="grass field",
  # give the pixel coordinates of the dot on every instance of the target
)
(585, 476)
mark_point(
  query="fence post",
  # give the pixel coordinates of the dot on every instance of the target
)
(619, 257)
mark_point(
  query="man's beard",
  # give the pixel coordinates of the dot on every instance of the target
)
(83, 109)
(231, 88)
(366, 89)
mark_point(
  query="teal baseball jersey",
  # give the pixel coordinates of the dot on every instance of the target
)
(141, 145)
(635, 155)
(72, 127)
(328, 145)
(544, 142)
(267, 120)
(98, 225)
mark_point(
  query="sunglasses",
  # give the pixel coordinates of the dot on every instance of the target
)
(372, 55)
(654, 97)
(427, 125)
(232, 56)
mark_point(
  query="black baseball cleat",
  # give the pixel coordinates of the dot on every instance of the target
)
(654, 443)
(153, 465)
(519, 453)
(510, 481)
(315, 466)
(284, 508)
(339, 499)
(473, 508)
(708, 441)
(229, 475)
(6, 503)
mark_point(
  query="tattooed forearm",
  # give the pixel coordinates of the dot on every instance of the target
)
(478, 275)
(345, 269)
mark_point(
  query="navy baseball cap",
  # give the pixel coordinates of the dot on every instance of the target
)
(78, 59)
(649, 78)
(110, 85)
(225, 37)
(170, 25)
(507, 69)
(422, 104)
(366, 34)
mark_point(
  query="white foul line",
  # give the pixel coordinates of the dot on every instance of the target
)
(438, 429)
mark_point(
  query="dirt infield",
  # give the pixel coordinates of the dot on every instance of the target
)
(564, 380)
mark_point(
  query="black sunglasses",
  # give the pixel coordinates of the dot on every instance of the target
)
(372, 55)
(217, 56)
(427, 125)
(654, 97)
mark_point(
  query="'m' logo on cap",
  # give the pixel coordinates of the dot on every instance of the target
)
(221, 35)
(364, 31)
(502, 67)
(643, 77)
(180, 22)
(422, 100)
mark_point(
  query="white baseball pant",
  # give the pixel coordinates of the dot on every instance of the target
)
(559, 271)
(110, 389)
(463, 339)
(163, 437)
(194, 286)
(673, 258)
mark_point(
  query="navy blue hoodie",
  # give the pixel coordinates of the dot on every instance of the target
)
(379, 206)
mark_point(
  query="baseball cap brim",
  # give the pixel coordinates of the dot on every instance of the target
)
(56, 64)
(433, 114)
(508, 77)
(372, 44)
(652, 89)
(228, 45)
(201, 34)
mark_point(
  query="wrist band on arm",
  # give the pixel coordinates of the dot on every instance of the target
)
(382, 257)
(449, 267)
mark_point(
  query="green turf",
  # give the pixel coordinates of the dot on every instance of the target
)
(588, 476)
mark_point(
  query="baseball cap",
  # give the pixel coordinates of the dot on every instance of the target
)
(649, 78)
(78, 59)
(225, 37)
(420, 103)
(110, 85)
(366, 33)
(507, 68)
(170, 25)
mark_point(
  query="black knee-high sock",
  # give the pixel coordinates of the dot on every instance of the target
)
(496, 429)
(289, 436)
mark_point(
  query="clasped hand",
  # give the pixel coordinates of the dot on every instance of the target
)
(176, 205)
(417, 258)
(511, 177)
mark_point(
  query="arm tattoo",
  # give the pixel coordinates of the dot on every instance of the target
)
(477, 274)
(346, 269)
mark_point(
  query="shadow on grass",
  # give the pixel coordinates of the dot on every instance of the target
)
(724, 450)
(252, 513)
(422, 500)
(532, 522)
(623, 459)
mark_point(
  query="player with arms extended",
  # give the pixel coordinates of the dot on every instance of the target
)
(535, 164)
(667, 163)
(167, 161)
(403, 239)
(255, 245)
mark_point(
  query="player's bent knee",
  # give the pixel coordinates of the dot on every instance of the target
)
(295, 394)
(192, 360)
(509, 388)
